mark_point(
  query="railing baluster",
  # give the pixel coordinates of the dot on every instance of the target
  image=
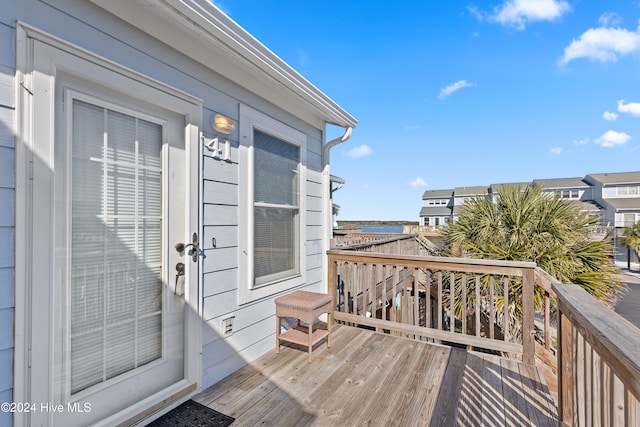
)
(440, 300)
(492, 307)
(506, 319)
(427, 299)
(452, 297)
(477, 305)
(463, 316)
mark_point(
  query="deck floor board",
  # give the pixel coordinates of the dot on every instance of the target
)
(368, 378)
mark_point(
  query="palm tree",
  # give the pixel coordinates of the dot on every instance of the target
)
(526, 224)
(631, 238)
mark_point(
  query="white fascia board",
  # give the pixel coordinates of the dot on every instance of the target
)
(204, 33)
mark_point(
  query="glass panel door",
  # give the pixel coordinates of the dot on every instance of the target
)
(116, 228)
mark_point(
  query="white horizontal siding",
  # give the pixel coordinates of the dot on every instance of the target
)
(87, 26)
(220, 259)
(220, 193)
(7, 41)
(7, 88)
(221, 281)
(226, 236)
(6, 417)
(7, 213)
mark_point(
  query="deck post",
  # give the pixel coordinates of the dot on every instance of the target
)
(528, 330)
(565, 371)
(332, 285)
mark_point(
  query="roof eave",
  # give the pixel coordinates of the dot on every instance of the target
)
(203, 32)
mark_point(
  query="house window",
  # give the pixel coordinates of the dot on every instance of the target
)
(276, 208)
(272, 186)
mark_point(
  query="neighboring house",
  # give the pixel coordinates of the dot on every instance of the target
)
(436, 207)
(495, 189)
(574, 189)
(462, 195)
(335, 208)
(614, 197)
(619, 195)
(132, 133)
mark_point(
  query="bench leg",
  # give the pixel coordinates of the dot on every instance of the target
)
(277, 335)
(329, 322)
(310, 342)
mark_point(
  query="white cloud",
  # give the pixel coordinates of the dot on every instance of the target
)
(612, 138)
(360, 151)
(609, 19)
(602, 44)
(580, 141)
(516, 13)
(632, 108)
(607, 115)
(418, 182)
(460, 84)
(556, 151)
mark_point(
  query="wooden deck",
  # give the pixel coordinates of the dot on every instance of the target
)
(368, 378)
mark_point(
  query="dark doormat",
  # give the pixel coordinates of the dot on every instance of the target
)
(192, 414)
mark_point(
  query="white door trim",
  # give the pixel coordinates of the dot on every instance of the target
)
(32, 96)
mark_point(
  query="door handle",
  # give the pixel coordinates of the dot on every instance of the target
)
(194, 245)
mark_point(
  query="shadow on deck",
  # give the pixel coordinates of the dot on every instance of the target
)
(367, 378)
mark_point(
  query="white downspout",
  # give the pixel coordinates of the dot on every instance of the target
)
(326, 195)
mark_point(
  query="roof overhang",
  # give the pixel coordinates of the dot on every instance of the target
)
(204, 33)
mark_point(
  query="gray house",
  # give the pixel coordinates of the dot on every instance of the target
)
(163, 177)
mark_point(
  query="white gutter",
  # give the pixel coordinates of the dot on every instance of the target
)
(329, 145)
(326, 195)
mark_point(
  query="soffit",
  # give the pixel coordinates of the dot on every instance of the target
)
(204, 33)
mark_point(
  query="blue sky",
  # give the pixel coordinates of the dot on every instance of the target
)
(455, 93)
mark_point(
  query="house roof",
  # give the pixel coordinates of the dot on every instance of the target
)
(560, 183)
(495, 188)
(614, 178)
(587, 205)
(435, 211)
(630, 203)
(470, 191)
(201, 31)
(439, 194)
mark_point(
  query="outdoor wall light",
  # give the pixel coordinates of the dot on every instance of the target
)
(223, 124)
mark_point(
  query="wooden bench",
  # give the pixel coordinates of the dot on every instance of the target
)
(306, 306)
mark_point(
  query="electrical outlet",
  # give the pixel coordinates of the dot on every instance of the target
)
(226, 325)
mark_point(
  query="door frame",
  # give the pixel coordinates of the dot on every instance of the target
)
(34, 156)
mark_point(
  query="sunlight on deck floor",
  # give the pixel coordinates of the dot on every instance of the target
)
(367, 378)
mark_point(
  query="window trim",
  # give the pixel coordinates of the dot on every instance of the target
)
(251, 119)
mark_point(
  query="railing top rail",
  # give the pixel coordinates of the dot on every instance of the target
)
(446, 261)
(545, 280)
(616, 339)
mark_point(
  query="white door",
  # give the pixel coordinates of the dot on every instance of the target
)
(111, 299)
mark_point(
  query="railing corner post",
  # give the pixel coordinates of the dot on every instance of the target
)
(528, 328)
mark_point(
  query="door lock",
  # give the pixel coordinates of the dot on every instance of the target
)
(194, 245)
(179, 289)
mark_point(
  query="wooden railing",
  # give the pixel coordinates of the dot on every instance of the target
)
(399, 244)
(476, 303)
(598, 360)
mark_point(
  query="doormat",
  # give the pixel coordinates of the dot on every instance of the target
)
(192, 414)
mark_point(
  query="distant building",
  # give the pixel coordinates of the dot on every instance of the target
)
(614, 197)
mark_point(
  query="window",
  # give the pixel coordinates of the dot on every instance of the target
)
(276, 208)
(272, 206)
